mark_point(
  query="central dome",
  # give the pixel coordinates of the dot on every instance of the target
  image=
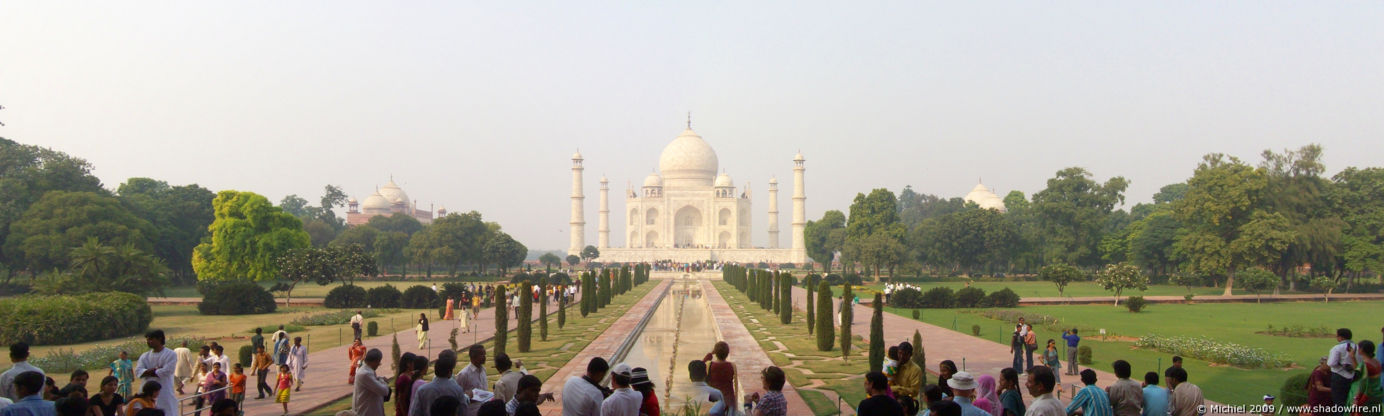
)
(688, 159)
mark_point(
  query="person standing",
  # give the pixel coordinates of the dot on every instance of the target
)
(182, 373)
(721, 373)
(28, 385)
(1016, 348)
(1072, 341)
(508, 384)
(440, 386)
(1040, 384)
(298, 362)
(259, 367)
(19, 355)
(214, 382)
(371, 390)
(158, 365)
(1185, 398)
(963, 387)
(707, 395)
(237, 381)
(422, 330)
(1011, 400)
(1319, 385)
(354, 355)
(285, 386)
(648, 399)
(1030, 344)
(582, 396)
(1342, 362)
(909, 377)
(772, 403)
(1090, 400)
(876, 402)
(257, 340)
(473, 376)
(1051, 359)
(1126, 396)
(124, 372)
(356, 322)
(1368, 391)
(1155, 398)
(464, 320)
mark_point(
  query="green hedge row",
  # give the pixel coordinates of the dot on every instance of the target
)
(47, 320)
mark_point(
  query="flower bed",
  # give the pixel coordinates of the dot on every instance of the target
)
(64, 360)
(1203, 348)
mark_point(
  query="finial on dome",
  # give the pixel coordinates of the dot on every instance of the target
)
(689, 120)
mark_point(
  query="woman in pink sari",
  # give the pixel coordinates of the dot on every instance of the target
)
(986, 398)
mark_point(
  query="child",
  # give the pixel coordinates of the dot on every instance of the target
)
(285, 385)
(238, 386)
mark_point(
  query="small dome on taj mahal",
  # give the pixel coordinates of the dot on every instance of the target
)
(653, 180)
(723, 181)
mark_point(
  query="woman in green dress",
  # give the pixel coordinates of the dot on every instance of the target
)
(124, 371)
(1367, 390)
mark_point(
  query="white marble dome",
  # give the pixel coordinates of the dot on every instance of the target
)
(985, 198)
(724, 181)
(653, 180)
(375, 202)
(392, 193)
(688, 159)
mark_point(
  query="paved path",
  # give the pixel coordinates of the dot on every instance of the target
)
(1098, 300)
(749, 358)
(327, 370)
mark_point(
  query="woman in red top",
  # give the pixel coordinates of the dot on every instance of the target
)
(403, 384)
(1319, 385)
(721, 373)
(639, 380)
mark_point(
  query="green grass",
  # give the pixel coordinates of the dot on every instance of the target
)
(313, 290)
(1027, 289)
(1235, 322)
(841, 377)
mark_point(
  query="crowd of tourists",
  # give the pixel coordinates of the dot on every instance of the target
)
(891, 288)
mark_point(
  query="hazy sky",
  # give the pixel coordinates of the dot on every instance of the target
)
(478, 106)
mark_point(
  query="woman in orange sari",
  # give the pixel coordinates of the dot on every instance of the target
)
(356, 353)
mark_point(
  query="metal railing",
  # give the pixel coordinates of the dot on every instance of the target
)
(196, 396)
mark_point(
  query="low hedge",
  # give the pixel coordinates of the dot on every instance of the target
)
(346, 296)
(939, 297)
(236, 298)
(384, 297)
(419, 297)
(48, 320)
(1003, 298)
(969, 297)
(906, 298)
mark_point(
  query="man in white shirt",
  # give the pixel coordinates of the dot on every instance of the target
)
(624, 401)
(704, 393)
(218, 356)
(508, 384)
(582, 395)
(19, 354)
(370, 390)
(1040, 383)
(1342, 363)
(182, 374)
(356, 322)
(158, 364)
(473, 376)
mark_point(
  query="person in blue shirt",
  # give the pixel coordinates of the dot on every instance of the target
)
(29, 387)
(964, 392)
(1090, 400)
(1072, 340)
(1155, 397)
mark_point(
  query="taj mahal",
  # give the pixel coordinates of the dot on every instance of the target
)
(687, 212)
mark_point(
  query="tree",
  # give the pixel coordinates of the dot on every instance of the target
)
(27, 173)
(825, 237)
(847, 321)
(1326, 285)
(97, 267)
(590, 253)
(920, 357)
(180, 216)
(550, 260)
(1072, 213)
(786, 299)
(1187, 280)
(501, 320)
(389, 251)
(248, 234)
(826, 333)
(362, 235)
(811, 309)
(1357, 197)
(503, 251)
(45, 235)
(297, 206)
(573, 259)
(1221, 196)
(525, 317)
(561, 311)
(1059, 274)
(1118, 277)
(877, 334)
(875, 215)
(324, 266)
(585, 294)
(543, 313)
(399, 222)
(1151, 243)
(1257, 281)
(319, 233)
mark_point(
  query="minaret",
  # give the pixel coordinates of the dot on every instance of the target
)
(578, 215)
(773, 213)
(799, 209)
(603, 222)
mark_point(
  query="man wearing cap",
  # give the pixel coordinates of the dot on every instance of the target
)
(963, 387)
(1269, 408)
(1090, 400)
(582, 395)
(624, 401)
(1040, 383)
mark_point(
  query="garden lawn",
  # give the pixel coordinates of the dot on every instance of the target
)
(1234, 323)
(827, 370)
(1044, 289)
(313, 290)
(231, 331)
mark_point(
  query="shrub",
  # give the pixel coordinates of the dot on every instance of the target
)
(1214, 351)
(384, 297)
(906, 298)
(938, 297)
(246, 354)
(975, 329)
(44, 320)
(236, 298)
(969, 297)
(1083, 354)
(1300, 331)
(372, 328)
(419, 297)
(331, 318)
(1135, 303)
(1294, 392)
(917, 314)
(834, 279)
(810, 281)
(346, 296)
(64, 360)
(1003, 298)
(825, 329)
(854, 279)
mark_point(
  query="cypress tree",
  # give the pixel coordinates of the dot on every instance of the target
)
(811, 308)
(766, 290)
(920, 357)
(543, 313)
(561, 311)
(585, 294)
(847, 316)
(826, 333)
(525, 327)
(501, 320)
(877, 334)
(786, 299)
(777, 283)
(751, 286)
(605, 288)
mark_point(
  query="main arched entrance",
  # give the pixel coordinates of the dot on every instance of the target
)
(687, 224)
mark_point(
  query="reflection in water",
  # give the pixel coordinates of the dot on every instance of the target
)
(669, 343)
